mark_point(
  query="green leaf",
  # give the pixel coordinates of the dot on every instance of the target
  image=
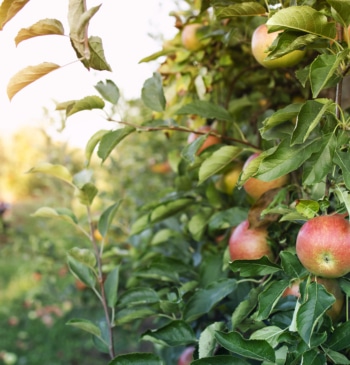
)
(269, 297)
(138, 296)
(84, 256)
(342, 7)
(9, 8)
(169, 208)
(339, 339)
(63, 213)
(109, 91)
(252, 349)
(163, 210)
(227, 218)
(324, 72)
(203, 300)
(153, 94)
(189, 153)
(285, 159)
(128, 315)
(291, 265)
(342, 159)
(175, 333)
(92, 143)
(110, 140)
(320, 163)
(81, 271)
(207, 341)
(245, 9)
(87, 103)
(97, 59)
(307, 208)
(198, 223)
(107, 217)
(313, 357)
(136, 359)
(337, 357)
(270, 334)
(85, 325)
(58, 171)
(309, 117)
(217, 161)
(245, 307)
(260, 267)
(40, 28)
(311, 311)
(158, 271)
(111, 287)
(302, 19)
(28, 75)
(86, 193)
(205, 109)
(287, 113)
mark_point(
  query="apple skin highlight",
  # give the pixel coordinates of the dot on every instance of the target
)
(323, 246)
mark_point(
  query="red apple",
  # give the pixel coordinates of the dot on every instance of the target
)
(262, 40)
(255, 187)
(323, 246)
(210, 140)
(186, 356)
(249, 244)
(293, 290)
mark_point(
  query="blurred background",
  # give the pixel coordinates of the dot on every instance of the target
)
(37, 293)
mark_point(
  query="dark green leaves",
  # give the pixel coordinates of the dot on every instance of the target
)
(204, 299)
(310, 312)
(261, 267)
(176, 333)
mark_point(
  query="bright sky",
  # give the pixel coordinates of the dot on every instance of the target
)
(124, 27)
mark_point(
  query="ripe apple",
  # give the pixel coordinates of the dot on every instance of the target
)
(293, 290)
(256, 188)
(323, 246)
(210, 140)
(186, 356)
(190, 37)
(249, 243)
(262, 40)
(229, 179)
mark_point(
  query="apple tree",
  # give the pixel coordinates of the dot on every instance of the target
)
(213, 264)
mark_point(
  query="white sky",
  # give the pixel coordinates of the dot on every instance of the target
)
(124, 27)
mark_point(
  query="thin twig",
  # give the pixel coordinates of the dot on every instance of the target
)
(187, 130)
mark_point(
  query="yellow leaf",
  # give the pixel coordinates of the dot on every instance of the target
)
(28, 75)
(40, 28)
